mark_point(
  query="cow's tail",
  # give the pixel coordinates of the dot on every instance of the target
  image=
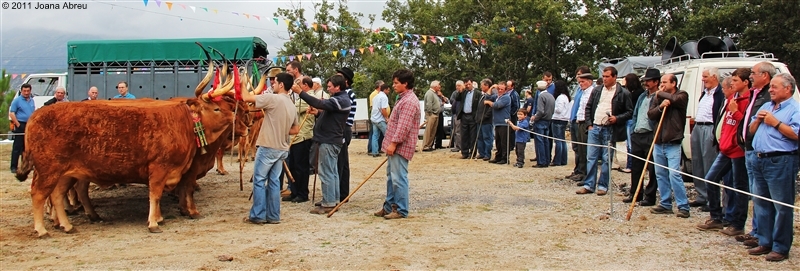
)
(26, 166)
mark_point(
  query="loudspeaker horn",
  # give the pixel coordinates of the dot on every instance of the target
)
(711, 44)
(690, 48)
(729, 44)
(671, 49)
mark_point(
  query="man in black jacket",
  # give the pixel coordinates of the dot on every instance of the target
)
(608, 110)
(60, 96)
(469, 100)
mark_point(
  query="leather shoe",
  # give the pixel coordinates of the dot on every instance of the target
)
(776, 257)
(705, 208)
(287, 198)
(751, 243)
(695, 203)
(583, 191)
(501, 162)
(627, 200)
(393, 215)
(742, 238)
(299, 200)
(602, 192)
(759, 250)
(493, 161)
(321, 210)
(647, 203)
(464, 156)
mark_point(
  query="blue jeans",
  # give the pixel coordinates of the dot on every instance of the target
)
(629, 127)
(541, 127)
(774, 179)
(730, 197)
(485, 138)
(267, 195)
(396, 185)
(721, 166)
(599, 135)
(750, 162)
(670, 181)
(559, 128)
(378, 130)
(329, 173)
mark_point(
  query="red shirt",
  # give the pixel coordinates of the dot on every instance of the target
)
(403, 125)
(728, 144)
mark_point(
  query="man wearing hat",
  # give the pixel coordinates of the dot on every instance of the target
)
(578, 122)
(344, 158)
(642, 139)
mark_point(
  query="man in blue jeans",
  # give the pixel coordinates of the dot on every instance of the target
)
(20, 110)
(667, 150)
(280, 120)
(608, 110)
(379, 114)
(329, 133)
(775, 129)
(545, 107)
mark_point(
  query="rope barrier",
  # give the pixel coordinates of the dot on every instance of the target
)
(12, 134)
(662, 166)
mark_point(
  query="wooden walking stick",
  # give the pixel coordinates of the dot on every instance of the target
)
(644, 170)
(316, 171)
(359, 186)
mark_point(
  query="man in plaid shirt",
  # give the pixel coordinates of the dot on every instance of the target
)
(399, 143)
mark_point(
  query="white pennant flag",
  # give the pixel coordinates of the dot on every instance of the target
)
(316, 54)
(193, 8)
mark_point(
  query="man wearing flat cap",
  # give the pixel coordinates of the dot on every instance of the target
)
(641, 140)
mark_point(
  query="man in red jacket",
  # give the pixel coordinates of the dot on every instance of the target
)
(731, 156)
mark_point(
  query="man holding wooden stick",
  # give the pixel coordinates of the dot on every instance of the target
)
(329, 133)
(399, 142)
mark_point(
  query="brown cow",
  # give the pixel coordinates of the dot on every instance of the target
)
(133, 141)
(255, 116)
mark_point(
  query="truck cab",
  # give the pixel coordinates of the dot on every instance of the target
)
(43, 86)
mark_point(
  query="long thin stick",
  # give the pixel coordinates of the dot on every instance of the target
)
(316, 171)
(477, 134)
(285, 166)
(359, 186)
(644, 170)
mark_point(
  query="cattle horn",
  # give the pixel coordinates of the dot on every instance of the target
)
(262, 84)
(209, 75)
(224, 70)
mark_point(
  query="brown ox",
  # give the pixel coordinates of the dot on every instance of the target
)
(132, 141)
(243, 143)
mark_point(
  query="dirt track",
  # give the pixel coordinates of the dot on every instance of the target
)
(464, 215)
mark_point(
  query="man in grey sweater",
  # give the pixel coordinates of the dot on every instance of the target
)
(545, 106)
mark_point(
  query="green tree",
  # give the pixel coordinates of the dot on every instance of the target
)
(6, 95)
(775, 29)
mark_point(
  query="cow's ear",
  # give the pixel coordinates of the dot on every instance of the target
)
(194, 104)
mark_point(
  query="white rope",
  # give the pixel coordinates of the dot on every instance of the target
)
(12, 134)
(662, 166)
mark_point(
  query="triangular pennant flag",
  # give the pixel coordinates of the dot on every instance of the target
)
(300, 57)
(283, 59)
(291, 58)
(424, 41)
(450, 37)
(372, 49)
(257, 17)
(308, 24)
(335, 53)
(475, 41)
(503, 29)
(288, 23)
(193, 8)
(145, 3)
(275, 60)
(416, 35)
(408, 35)
(22, 76)
(169, 5)
(246, 15)
(433, 40)
(325, 27)
(314, 25)
(276, 20)
(441, 39)
(361, 50)
(308, 56)
(415, 43)
(352, 51)
(388, 47)
(158, 3)
(235, 13)
(519, 36)
(344, 52)
(14, 75)
(483, 41)
(297, 23)
(316, 54)
(468, 39)
(512, 29)
(183, 6)
(405, 43)
(424, 37)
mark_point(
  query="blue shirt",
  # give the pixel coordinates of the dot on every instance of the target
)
(520, 135)
(552, 89)
(769, 139)
(468, 102)
(22, 108)
(573, 115)
(501, 110)
(127, 96)
(514, 101)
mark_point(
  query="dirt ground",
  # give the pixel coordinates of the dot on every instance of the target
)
(464, 215)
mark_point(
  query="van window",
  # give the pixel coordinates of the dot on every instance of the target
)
(43, 86)
(679, 77)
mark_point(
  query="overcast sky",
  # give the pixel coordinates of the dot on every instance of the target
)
(132, 19)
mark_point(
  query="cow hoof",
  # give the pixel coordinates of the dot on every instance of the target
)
(195, 216)
(95, 218)
(185, 213)
(222, 172)
(154, 229)
(43, 235)
(69, 229)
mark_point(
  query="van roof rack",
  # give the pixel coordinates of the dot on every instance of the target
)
(718, 55)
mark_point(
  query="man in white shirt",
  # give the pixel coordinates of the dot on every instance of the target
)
(704, 145)
(379, 116)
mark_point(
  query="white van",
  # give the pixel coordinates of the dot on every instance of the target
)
(689, 73)
(43, 86)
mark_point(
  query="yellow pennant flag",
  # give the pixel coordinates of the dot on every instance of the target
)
(424, 37)
(361, 50)
(23, 75)
(215, 11)
(424, 41)
(512, 29)
(287, 22)
(169, 5)
(246, 15)
(300, 58)
(335, 53)
(396, 45)
(315, 26)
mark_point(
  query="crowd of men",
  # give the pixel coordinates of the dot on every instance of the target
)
(745, 134)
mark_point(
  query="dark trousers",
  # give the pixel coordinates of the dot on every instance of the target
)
(520, 151)
(344, 165)
(721, 166)
(469, 133)
(439, 132)
(501, 143)
(19, 145)
(514, 120)
(640, 145)
(299, 167)
(578, 134)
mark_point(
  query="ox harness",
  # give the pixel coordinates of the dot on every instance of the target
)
(200, 134)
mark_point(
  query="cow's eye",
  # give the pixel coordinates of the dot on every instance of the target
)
(216, 109)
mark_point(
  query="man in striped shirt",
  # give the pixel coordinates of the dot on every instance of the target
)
(399, 143)
(344, 157)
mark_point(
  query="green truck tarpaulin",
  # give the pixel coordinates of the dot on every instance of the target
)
(93, 51)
